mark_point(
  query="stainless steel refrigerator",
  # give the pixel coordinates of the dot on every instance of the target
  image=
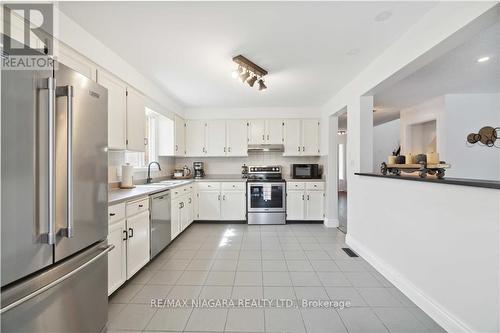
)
(54, 202)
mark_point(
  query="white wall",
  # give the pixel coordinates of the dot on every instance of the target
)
(467, 113)
(438, 243)
(72, 34)
(431, 110)
(380, 224)
(252, 113)
(456, 116)
(386, 138)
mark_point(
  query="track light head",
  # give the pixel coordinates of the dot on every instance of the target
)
(244, 76)
(262, 86)
(251, 81)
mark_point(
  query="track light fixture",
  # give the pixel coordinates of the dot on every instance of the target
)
(249, 72)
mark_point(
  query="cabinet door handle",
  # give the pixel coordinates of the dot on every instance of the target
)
(268, 137)
(140, 206)
(263, 137)
(176, 147)
(303, 148)
(112, 214)
(190, 200)
(308, 197)
(218, 198)
(180, 205)
(130, 232)
(303, 197)
(125, 235)
(298, 148)
(229, 149)
(224, 149)
(224, 197)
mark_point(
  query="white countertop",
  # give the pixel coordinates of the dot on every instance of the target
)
(119, 195)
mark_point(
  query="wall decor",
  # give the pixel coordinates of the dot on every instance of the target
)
(487, 136)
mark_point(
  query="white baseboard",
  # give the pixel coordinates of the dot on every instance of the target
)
(448, 321)
(331, 223)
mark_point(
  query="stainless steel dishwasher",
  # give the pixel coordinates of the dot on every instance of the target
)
(160, 222)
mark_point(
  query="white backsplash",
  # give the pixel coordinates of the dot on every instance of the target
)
(213, 165)
(232, 165)
(117, 158)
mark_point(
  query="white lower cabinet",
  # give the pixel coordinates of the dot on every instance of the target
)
(117, 258)
(129, 232)
(208, 205)
(233, 205)
(221, 201)
(305, 201)
(137, 242)
(295, 205)
(182, 209)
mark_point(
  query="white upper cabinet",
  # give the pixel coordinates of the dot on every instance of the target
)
(274, 131)
(256, 131)
(301, 137)
(268, 131)
(236, 138)
(136, 121)
(195, 138)
(292, 135)
(180, 136)
(216, 138)
(77, 62)
(310, 137)
(117, 109)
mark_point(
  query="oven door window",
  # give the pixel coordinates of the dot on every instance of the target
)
(266, 196)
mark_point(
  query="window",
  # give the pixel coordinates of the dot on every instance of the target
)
(142, 159)
(341, 162)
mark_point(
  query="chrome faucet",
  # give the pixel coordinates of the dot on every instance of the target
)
(149, 179)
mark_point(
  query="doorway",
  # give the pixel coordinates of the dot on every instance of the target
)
(341, 171)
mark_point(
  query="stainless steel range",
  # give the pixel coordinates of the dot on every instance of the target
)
(266, 195)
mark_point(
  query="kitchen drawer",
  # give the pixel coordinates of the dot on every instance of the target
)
(135, 207)
(234, 186)
(116, 212)
(295, 186)
(315, 186)
(208, 186)
(181, 190)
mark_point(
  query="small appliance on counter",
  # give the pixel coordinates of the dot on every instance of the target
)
(244, 171)
(184, 173)
(199, 171)
(305, 171)
(127, 177)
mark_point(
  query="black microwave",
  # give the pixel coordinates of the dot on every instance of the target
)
(306, 171)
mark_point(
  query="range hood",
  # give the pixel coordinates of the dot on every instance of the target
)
(266, 148)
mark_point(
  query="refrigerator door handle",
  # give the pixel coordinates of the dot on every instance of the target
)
(50, 85)
(56, 282)
(68, 92)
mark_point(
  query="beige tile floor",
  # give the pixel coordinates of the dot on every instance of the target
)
(292, 262)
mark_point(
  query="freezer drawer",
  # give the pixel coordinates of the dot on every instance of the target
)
(71, 297)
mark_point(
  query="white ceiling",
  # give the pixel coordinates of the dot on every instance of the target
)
(311, 49)
(455, 72)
